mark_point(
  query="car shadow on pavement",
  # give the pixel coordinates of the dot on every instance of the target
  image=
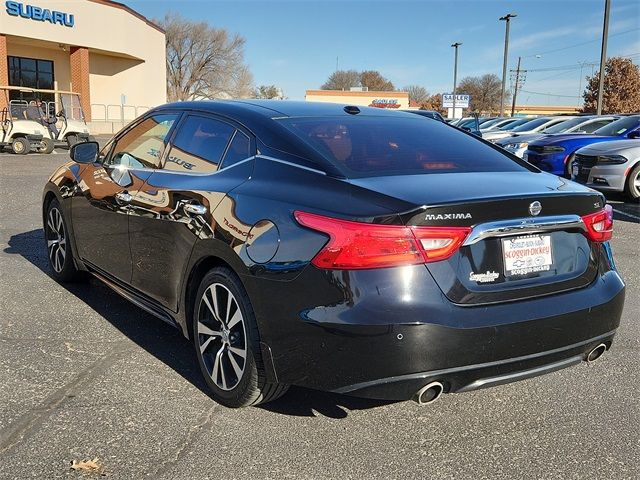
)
(168, 345)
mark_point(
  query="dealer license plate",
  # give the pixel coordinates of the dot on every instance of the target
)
(527, 254)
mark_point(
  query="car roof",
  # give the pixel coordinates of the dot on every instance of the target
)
(278, 108)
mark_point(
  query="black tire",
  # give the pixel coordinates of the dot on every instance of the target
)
(631, 185)
(20, 146)
(71, 140)
(47, 146)
(58, 244)
(229, 388)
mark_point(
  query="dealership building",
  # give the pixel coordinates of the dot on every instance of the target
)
(108, 53)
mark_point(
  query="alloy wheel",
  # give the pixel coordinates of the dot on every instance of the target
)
(222, 338)
(56, 239)
(635, 183)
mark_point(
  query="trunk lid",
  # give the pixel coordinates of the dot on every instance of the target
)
(511, 253)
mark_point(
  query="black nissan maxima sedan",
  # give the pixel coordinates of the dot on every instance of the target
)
(341, 248)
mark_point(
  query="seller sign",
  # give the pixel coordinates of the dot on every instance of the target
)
(462, 101)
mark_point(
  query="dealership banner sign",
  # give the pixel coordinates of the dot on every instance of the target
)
(31, 12)
(462, 101)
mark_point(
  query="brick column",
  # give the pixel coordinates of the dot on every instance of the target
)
(4, 70)
(79, 57)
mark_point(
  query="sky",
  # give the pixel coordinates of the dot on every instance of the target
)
(295, 44)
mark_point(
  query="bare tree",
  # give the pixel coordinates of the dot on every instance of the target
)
(485, 92)
(268, 92)
(203, 61)
(434, 102)
(373, 80)
(621, 88)
(417, 93)
(342, 80)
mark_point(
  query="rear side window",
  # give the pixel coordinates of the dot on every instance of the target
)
(239, 149)
(199, 145)
(373, 146)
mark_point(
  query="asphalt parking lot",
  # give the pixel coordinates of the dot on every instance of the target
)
(84, 374)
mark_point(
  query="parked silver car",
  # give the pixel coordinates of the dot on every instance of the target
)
(586, 124)
(535, 125)
(610, 166)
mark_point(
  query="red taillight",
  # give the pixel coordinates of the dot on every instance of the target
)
(599, 225)
(356, 245)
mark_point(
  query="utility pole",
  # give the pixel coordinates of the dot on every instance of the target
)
(519, 80)
(507, 18)
(603, 53)
(455, 76)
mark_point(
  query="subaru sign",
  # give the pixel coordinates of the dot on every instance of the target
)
(462, 101)
(17, 9)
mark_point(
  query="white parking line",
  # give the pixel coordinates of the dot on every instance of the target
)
(620, 212)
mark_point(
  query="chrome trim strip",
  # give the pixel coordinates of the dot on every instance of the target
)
(291, 164)
(523, 226)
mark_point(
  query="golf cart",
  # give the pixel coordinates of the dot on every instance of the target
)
(58, 115)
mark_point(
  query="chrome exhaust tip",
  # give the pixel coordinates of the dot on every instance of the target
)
(596, 353)
(429, 393)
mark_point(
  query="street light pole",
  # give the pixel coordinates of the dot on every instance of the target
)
(455, 76)
(603, 53)
(507, 18)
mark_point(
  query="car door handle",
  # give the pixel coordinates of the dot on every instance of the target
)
(195, 208)
(123, 198)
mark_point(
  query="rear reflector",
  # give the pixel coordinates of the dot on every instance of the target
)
(599, 225)
(356, 245)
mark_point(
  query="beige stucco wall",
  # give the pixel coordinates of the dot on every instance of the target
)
(126, 53)
(357, 98)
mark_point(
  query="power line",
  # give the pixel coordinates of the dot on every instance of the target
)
(581, 43)
(551, 94)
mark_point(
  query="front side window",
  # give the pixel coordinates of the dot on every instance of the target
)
(565, 126)
(199, 145)
(142, 145)
(375, 146)
(530, 125)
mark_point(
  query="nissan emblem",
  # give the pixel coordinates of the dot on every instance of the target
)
(535, 208)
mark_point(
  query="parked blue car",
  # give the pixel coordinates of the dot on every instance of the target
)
(554, 153)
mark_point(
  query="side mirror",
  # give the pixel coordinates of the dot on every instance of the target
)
(85, 152)
(634, 134)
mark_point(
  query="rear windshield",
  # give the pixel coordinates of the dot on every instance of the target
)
(373, 146)
(525, 127)
(619, 127)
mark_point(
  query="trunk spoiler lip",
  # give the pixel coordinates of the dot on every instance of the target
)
(524, 226)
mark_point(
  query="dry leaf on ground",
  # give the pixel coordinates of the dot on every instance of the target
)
(87, 466)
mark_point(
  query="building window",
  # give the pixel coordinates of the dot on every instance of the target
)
(31, 73)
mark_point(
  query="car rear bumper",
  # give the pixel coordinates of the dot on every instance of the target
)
(482, 375)
(385, 334)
